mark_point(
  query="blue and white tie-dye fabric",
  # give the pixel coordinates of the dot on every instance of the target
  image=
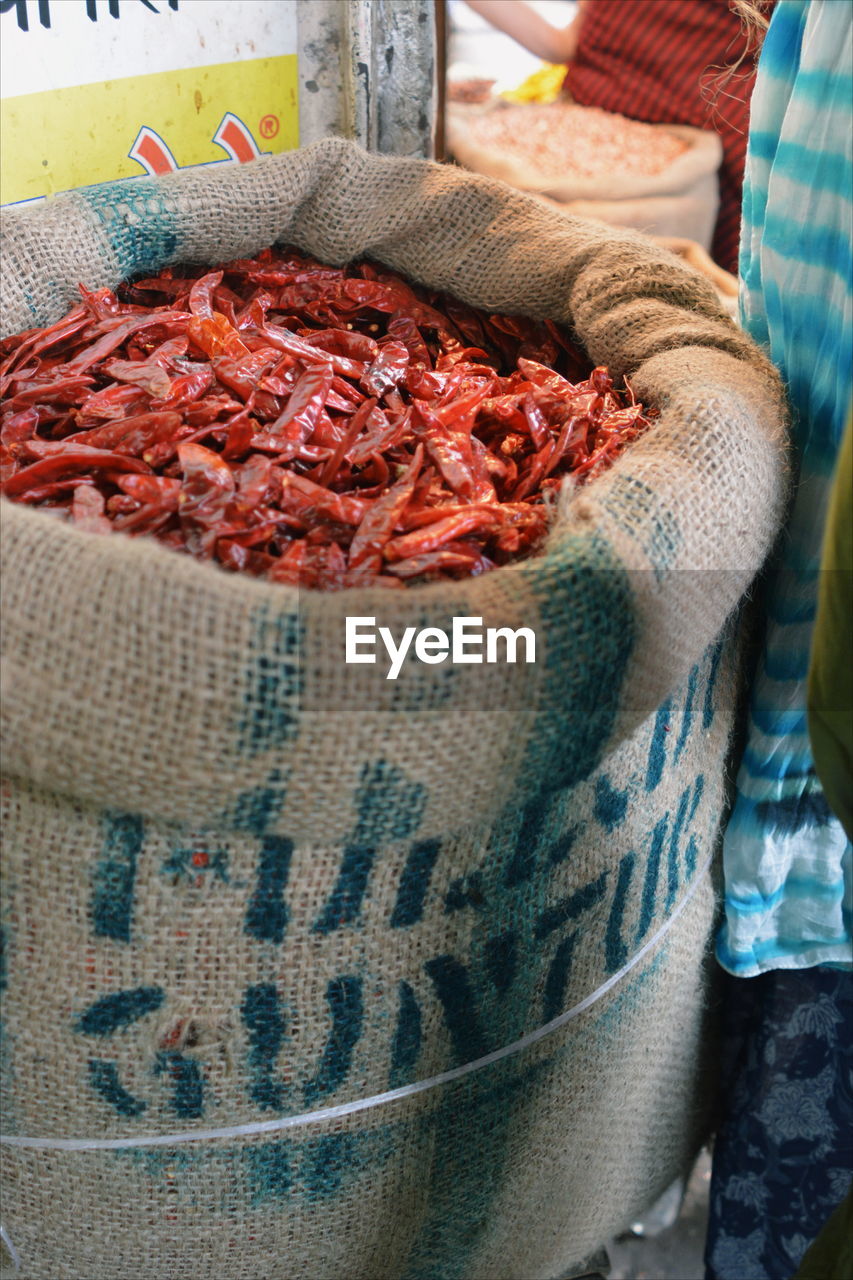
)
(787, 860)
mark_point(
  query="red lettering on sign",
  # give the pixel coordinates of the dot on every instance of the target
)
(151, 152)
(234, 137)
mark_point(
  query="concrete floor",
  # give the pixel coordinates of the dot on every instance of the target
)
(676, 1252)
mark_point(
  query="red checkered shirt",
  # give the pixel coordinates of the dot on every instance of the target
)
(664, 61)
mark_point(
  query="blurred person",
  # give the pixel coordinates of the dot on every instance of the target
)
(830, 713)
(783, 1155)
(659, 61)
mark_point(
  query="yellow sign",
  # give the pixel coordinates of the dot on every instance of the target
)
(64, 138)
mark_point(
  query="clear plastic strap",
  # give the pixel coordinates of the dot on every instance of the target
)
(10, 1249)
(377, 1099)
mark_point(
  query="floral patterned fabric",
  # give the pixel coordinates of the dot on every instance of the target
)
(783, 1158)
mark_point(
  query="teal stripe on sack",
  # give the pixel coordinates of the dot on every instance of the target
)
(346, 1007)
(263, 1015)
(616, 952)
(674, 850)
(187, 1083)
(687, 715)
(389, 807)
(104, 1079)
(587, 629)
(453, 987)
(648, 900)
(414, 883)
(406, 1045)
(558, 977)
(713, 673)
(657, 749)
(273, 681)
(140, 225)
(639, 511)
(266, 912)
(114, 878)
(116, 1011)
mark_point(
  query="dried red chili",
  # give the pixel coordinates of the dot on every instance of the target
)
(319, 426)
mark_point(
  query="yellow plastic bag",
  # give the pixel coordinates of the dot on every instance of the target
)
(544, 85)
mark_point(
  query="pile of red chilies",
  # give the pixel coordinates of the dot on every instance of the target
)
(318, 426)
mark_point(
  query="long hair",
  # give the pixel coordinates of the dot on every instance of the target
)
(733, 80)
(755, 19)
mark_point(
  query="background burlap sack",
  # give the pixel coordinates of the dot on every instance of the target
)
(681, 200)
(245, 883)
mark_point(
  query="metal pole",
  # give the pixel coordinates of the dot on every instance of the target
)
(367, 71)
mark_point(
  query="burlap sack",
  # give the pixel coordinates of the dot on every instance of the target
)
(249, 890)
(682, 200)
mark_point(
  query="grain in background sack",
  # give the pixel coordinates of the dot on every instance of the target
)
(680, 199)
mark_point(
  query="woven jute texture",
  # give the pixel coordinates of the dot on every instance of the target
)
(245, 882)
